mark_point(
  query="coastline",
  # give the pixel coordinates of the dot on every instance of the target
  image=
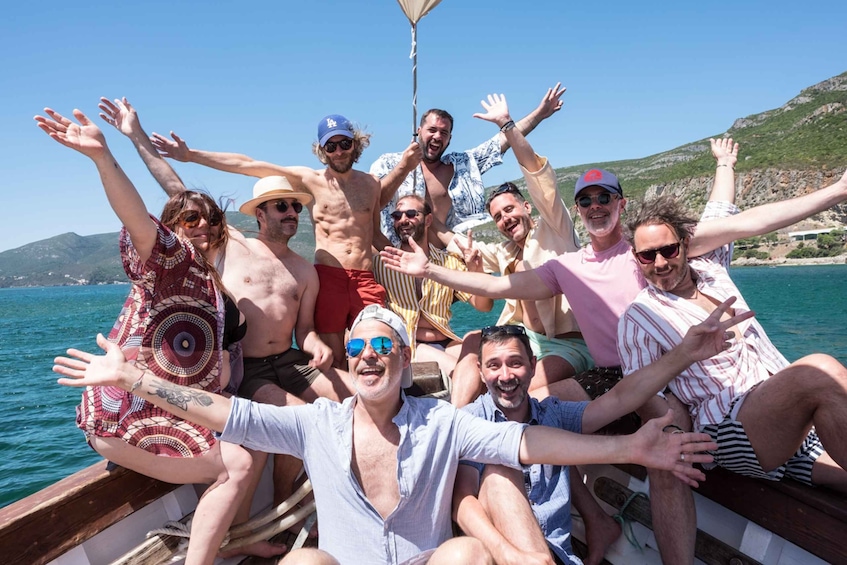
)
(786, 262)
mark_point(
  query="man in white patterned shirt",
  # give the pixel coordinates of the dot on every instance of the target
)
(771, 419)
(452, 182)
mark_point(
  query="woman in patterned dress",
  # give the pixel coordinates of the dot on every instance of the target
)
(171, 324)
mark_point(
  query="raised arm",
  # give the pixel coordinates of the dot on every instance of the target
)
(702, 341)
(178, 150)
(124, 118)
(473, 262)
(725, 153)
(550, 104)
(524, 285)
(389, 184)
(112, 369)
(497, 112)
(86, 138)
(766, 218)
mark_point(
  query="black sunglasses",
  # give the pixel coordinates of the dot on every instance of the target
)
(282, 206)
(506, 187)
(344, 144)
(398, 214)
(602, 199)
(649, 256)
(191, 219)
(509, 329)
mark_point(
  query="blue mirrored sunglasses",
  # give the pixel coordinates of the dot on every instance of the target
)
(381, 345)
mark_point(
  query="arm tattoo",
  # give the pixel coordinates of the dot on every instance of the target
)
(180, 396)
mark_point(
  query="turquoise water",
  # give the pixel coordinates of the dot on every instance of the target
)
(803, 310)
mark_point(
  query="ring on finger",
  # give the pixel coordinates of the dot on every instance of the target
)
(682, 457)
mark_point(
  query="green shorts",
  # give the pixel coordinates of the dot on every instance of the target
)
(571, 349)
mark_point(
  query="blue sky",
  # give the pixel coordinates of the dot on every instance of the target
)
(255, 77)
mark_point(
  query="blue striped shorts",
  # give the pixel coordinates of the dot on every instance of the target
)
(735, 453)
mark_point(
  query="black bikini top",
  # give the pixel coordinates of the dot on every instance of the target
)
(233, 331)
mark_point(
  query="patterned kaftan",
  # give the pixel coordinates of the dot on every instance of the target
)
(171, 325)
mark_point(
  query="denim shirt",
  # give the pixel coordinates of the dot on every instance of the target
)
(434, 436)
(548, 486)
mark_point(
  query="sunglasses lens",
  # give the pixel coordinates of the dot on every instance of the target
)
(604, 198)
(355, 347)
(190, 219)
(646, 257)
(670, 251)
(584, 201)
(330, 146)
(509, 329)
(382, 345)
(298, 207)
(215, 219)
(281, 206)
(345, 144)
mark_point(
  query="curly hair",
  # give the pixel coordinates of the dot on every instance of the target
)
(667, 210)
(361, 140)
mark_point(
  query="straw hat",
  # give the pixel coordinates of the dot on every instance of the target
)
(272, 188)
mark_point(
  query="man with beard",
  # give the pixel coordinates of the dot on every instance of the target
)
(551, 327)
(507, 366)
(345, 205)
(770, 419)
(601, 280)
(383, 465)
(452, 182)
(273, 286)
(425, 305)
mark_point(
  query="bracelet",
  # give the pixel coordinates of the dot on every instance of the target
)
(724, 165)
(136, 384)
(507, 126)
(676, 429)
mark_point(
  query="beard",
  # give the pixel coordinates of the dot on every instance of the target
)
(281, 231)
(341, 165)
(405, 235)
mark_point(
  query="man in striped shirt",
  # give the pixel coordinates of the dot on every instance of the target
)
(771, 419)
(425, 305)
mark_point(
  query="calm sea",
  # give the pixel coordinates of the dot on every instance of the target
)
(803, 309)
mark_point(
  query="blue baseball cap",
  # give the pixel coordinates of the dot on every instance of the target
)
(598, 177)
(332, 125)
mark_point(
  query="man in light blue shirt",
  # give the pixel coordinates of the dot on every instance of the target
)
(383, 465)
(507, 366)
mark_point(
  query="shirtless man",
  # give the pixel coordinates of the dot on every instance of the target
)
(346, 202)
(452, 182)
(274, 287)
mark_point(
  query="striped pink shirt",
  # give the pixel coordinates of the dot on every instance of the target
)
(657, 321)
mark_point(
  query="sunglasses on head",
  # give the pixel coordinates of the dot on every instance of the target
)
(191, 219)
(282, 206)
(667, 251)
(509, 329)
(398, 214)
(506, 187)
(380, 344)
(344, 144)
(602, 199)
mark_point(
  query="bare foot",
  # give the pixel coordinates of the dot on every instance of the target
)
(599, 537)
(264, 549)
